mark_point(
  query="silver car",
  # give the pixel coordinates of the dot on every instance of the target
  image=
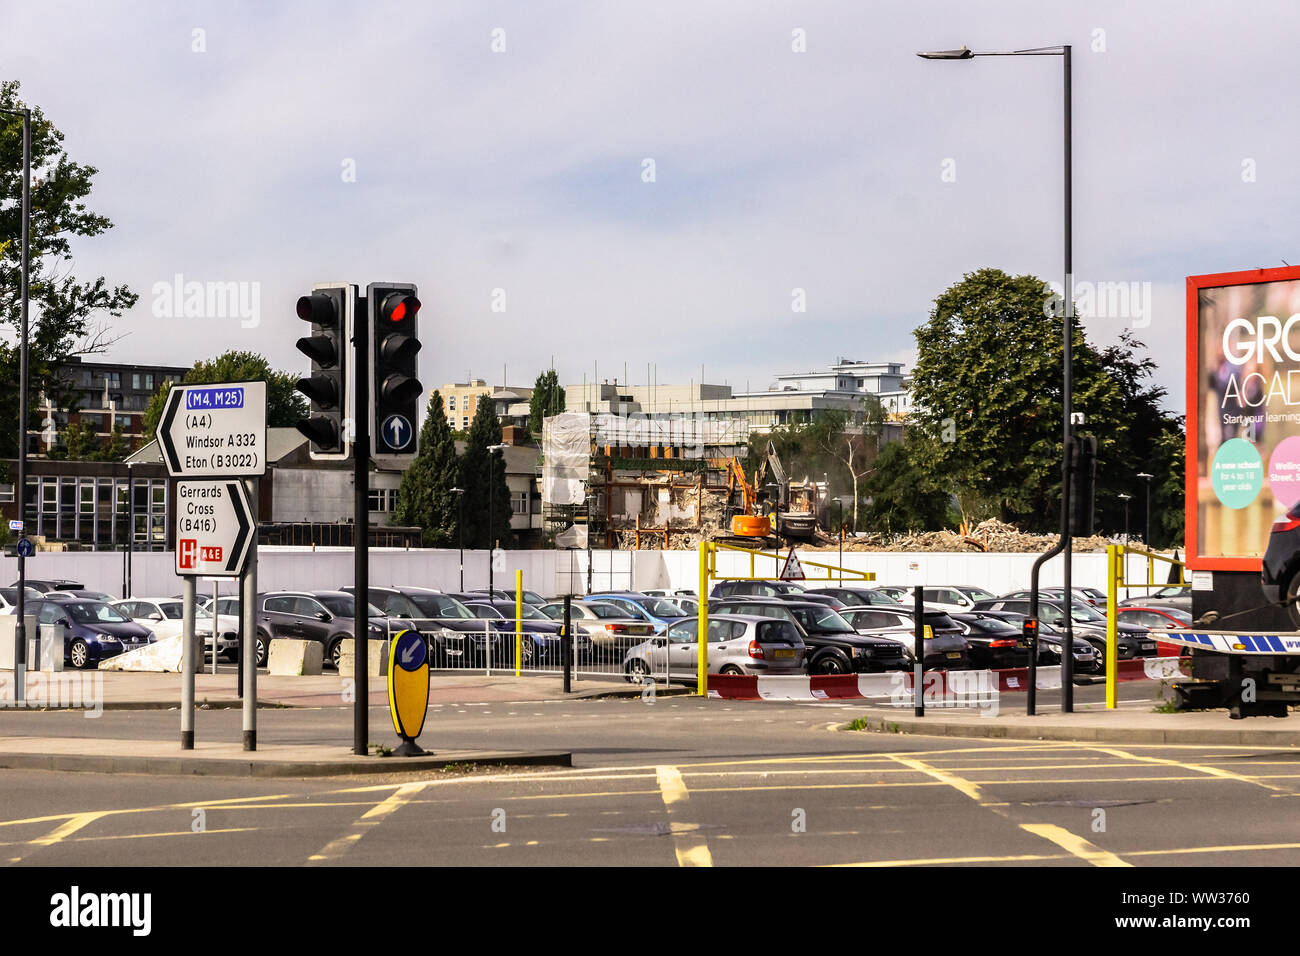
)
(611, 629)
(738, 644)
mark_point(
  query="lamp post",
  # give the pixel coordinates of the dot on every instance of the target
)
(130, 532)
(492, 528)
(20, 609)
(1125, 498)
(590, 501)
(1146, 537)
(460, 530)
(1064, 543)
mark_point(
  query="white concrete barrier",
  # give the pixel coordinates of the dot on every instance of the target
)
(160, 657)
(378, 659)
(291, 657)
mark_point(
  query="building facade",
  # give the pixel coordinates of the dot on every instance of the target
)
(104, 395)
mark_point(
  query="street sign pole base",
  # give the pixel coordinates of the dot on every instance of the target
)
(250, 740)
(409, 748)
(187, 740)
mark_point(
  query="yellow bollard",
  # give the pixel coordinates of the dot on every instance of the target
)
(1112, 616)
(519, 619)
(701, 636)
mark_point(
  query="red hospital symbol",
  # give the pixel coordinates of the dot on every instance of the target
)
(187, 550)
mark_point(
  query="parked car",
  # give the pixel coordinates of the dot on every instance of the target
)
(856, 596)
(1179, 597)
(994, 642)
(46, 585)
(1051, 639)
(1159, 617)
(456, 638)
(834, 647)
(1089, 596)
(324, 616)
(893, 591)
(687, 605)
(612, 630)
(955, 598)
(541, 639)
(738, 644)
(825, 600)
(946, 647)
(1088, 623)
(660, 612)
(91, 631)
(9, 598)
(754, 589)
(508, 594)
(165, 618)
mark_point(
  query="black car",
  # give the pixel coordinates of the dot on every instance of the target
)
(994, 642)
(834, 647)
(46, 585)
(91, 631)
(324, 616)
(946, 647)
(1130, 640)
(1050, 642)
(857, 597)
(456, 638)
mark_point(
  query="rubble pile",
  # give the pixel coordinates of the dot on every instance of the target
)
(990, 535)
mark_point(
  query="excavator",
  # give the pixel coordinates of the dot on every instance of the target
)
(750, 527)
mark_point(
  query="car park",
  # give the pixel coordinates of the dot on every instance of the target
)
(993, 642)
(165, 618)
(1179, 597)
(738, 644)
(954, 598)
(324, 616)
(857, 597)
(1131, 641)
(612, 630)
(540, 639)
(1050, 641)
(945, 646)
(660, 612)
(834, 647)
(91, 631)
(455, 637)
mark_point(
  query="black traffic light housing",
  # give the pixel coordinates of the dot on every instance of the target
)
(331, 310)
(1083, 478)
(392, 310)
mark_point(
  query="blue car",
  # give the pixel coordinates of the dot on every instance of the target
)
(92, 630)
(657, 611)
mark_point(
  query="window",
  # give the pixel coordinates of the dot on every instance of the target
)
(451, 403)
(135, 381)
(282, 605)
(377, 499)
(7, 492)
(519, 502)
(464, 423)
(123, 422)
(392, 499)
(87, 491)
(114, 380)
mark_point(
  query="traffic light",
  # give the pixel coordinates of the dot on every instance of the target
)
(330, 308)
(395, 389)
(1083, 475)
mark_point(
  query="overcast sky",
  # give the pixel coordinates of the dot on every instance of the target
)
(226, 134)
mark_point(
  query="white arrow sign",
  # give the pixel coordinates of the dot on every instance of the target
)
(214, 431)
(214, 528)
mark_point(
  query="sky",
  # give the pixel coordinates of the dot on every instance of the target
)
(732, 190)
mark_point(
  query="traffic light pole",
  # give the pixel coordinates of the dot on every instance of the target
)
(361, 532)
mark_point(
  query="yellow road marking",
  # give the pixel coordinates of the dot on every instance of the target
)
(1074, 844)
(1199, 768)
(372, 817)
(970, 789)
(59, 833)
(691, 850)
(950, 860)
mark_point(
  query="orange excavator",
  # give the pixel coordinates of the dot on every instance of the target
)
(749, 523)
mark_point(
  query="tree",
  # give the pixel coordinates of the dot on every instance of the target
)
(904, 495)
(116, 448)
(484, 477)
(987, 393)
(285, 405)
(855, 445)
(424, 498)
(80, 443)
(67, 316)
(547, 400)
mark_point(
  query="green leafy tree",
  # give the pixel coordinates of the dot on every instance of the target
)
(285, 405)
(67, 316)
(903, 493)
(484, 477)
(547, 400)
(80, 443)
(424, 498)
(116, 447)
(987, 393)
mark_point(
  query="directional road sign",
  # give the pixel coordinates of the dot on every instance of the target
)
(214, 528)
(408, 687)
(214, 431)
(397, 431)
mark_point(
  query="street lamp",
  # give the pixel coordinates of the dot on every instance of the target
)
(20, 645)
(1064, 543)
(130, 533)
(492, 529)
(1125, 498)
(590, 502)
(460, 530)
(1146, 538)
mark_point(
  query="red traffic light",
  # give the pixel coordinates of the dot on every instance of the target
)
(397, 307)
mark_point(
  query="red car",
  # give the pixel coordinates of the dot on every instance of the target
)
(1157, 617)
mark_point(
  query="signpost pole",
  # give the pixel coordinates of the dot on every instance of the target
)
(248, 627)
(189, 592)
(918, 668)
(361, 533)
(568, 638)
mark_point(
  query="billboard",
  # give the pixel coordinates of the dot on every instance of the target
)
(1243, 413)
